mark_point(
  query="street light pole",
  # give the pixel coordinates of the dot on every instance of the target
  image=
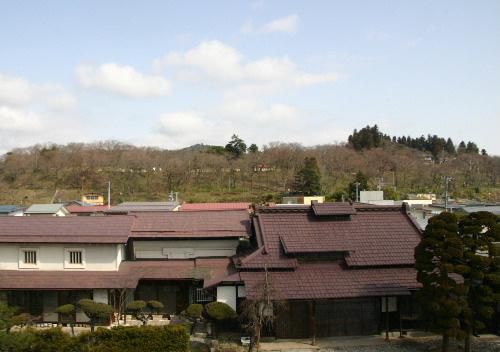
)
(357, 192)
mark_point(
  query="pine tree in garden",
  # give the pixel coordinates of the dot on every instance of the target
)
(481, 275)
(442, 297)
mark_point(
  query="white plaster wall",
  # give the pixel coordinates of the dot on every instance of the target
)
(100, 295)
(227, 294)
(185, 248)
(120, 254)
(102, 257)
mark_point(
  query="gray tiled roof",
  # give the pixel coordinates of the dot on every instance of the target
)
(44, 208)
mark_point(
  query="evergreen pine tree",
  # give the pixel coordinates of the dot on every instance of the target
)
(481, 277)
(308, 179)
(442, 298)
(360, 178)
(450, 147)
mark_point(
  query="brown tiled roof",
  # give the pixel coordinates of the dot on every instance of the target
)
(199, 269)
(214, 206)
(325, 209)
(59, 280)
(233, 278)
(128, 275)
(331, 281)
(65, 229)
(192, 224)
(373, 236)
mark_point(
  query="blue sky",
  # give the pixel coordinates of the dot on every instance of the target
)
(171, 74)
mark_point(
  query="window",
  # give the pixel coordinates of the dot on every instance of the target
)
(28, 258)
(74, 258)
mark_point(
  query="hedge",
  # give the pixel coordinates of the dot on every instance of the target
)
(173, 338)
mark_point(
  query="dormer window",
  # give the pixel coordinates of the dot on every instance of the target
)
(74, 258)
(28, 258)
(334, 210)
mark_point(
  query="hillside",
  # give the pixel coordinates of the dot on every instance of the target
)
(207, 173)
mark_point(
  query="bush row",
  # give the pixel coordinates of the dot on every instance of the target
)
(118, 339)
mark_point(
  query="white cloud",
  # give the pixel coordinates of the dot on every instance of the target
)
(252, 120)
(62, 101)
(183, 128)
(123, 80)
(19, 92)
(17, 120)
(287, 24)
(15, 90)
(33, 113)
(222, 63)
(177, 123)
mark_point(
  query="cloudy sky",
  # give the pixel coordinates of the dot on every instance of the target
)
(175, 73)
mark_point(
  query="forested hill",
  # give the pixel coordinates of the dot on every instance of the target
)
(43, 173)
(439, 147)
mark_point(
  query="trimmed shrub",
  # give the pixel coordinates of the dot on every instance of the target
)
(95, 311)
(67, 312)
(194, 310)
(136, 305)
(137, 309)
(220, 311)
(155, 306)
(66, 309)
(50, 340)
(145, 338)
(173, 338)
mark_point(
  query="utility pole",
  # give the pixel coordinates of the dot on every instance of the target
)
(109, 194)
(447, 179)
(357, 191)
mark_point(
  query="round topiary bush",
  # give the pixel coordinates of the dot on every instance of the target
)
(66, 309)
(95, 311)
(136, 305)
(155, 306)
(220, 311)
(194, 310)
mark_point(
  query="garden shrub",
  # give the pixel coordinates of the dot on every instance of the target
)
(49, 340)
(95, 311)
(145, 338)
(220, 311)
(194, 310)
(155, 306)
(173, 338)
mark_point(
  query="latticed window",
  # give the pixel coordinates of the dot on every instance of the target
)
(75, 257)
(30, 257)
(201, 295)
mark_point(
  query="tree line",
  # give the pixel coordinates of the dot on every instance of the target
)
(236, 173)
(371, 137)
